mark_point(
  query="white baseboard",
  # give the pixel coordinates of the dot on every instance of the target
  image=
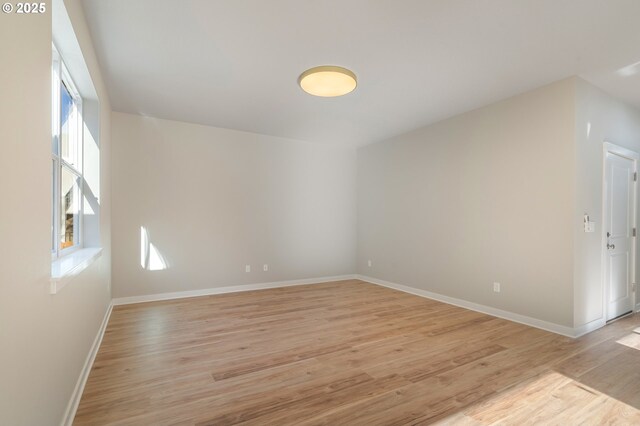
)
(511, 316)
(229, 289)
(581, 330)
(72, 407)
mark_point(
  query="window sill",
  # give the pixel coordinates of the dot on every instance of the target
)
(67, 267)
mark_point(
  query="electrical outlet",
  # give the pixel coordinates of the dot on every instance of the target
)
(496, 287)
(265, 267)
(247, 268)
(369, 263)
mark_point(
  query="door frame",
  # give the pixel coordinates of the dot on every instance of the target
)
(609, 147)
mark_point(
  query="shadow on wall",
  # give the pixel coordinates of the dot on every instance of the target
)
(150, 257)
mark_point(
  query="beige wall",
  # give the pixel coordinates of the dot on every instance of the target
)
(483, 197)
(44, 339)
(599, 118)
(213, 200)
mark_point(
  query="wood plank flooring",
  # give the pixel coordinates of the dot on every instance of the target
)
(352, 353)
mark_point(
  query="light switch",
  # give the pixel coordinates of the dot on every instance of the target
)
(589, 226)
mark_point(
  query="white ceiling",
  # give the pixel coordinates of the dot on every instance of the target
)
(234, 63)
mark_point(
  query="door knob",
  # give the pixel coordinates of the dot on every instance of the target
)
(611, 246)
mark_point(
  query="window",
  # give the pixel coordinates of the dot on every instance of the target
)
(66, 155)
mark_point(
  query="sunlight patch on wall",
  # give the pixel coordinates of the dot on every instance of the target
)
(150, 257)
(629, 70)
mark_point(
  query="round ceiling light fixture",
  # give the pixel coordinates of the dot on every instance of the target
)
(328, 81)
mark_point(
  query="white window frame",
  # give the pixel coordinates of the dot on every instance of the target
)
(60, 74)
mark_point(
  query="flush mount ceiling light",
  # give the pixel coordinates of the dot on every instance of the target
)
(327, 81)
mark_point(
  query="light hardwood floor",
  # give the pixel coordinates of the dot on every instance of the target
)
(352, 353)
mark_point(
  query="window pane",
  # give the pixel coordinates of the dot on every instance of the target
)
(70, 208)
(68, 127)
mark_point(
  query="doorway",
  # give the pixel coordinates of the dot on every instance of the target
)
(619, 229)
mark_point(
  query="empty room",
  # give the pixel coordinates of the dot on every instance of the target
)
(355, 212)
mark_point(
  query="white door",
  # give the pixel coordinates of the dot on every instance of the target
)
(619, 223)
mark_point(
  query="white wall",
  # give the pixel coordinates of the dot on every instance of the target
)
(599, 118)
(44, 339)
(213, 200)
(485, 196)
